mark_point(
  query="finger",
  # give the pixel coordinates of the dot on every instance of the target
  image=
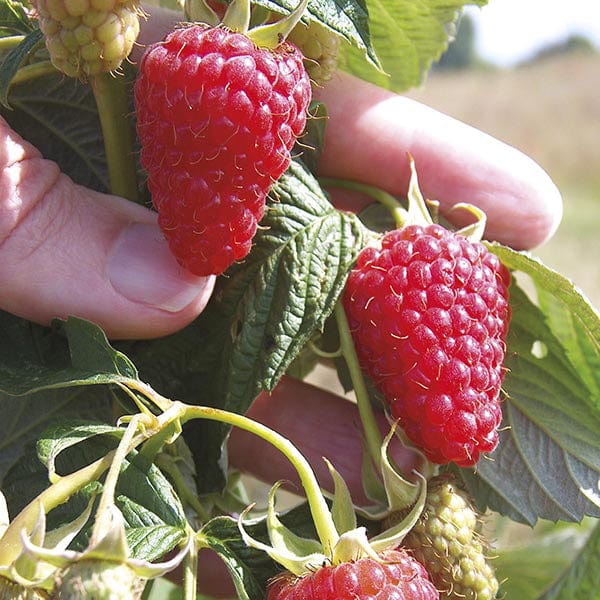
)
(320, 424)
(66, 250)
(370, 131)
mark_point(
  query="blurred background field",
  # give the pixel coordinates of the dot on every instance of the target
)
(549, 108)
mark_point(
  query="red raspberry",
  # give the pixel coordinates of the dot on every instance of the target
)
(429, 314)
(217, 117)
(399, 577)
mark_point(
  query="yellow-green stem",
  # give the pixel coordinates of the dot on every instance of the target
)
(55, 495)
(190, 572)
(373, 436)
(321, 515)
(10, 41)
(102, 523)
(33, 71)
(384, 198)
(113, 108)
(166, 465)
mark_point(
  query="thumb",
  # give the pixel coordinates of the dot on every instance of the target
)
(67, 250)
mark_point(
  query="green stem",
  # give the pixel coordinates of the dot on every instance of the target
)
(102, 522)
(373, 436)
(322, 518)
(384, 198)
(166, 465)
(11, 41)
(55, 495)
(113, 107)
(33, 71)
(190, 572)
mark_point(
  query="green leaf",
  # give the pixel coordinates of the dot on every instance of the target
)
(14, 59)
(251, 569)
(13, 18)
(347, 18)
(408, 35)
(526, 569)
(58, 115)
(582, 580)
(66, 434)
(24, 418)
(154, 515)
(91, 359)
(547, 464)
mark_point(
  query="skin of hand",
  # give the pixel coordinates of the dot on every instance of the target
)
(67, 250)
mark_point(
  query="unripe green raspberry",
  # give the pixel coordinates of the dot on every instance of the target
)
(9, 590)
(88, 37)
(320, 48)
(99, 580)
(447, 541)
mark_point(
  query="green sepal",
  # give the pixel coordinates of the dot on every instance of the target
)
(198, 11)
(112, 547)
(237, 16)
(342, 509)
(393, 536)
(294, 553)
(353, 545)
(420, 210)
(4, 517)
(475, 231)
(273, 34)
(393, 492)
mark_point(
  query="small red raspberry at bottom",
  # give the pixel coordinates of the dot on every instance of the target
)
(397, 577)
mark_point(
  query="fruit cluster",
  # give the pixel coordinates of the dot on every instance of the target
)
(217, 119)
(429, 314)
(88, 37)
(396, 576)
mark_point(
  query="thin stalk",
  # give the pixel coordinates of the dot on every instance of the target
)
(167, 466)
(55, 495)
(190, 572)
(373, 436)
(33, 71)
(10, 41)
(113, 107)
(321, 515)
(384, 198)
(107, 500)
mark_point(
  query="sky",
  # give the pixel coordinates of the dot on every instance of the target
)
(508, 31)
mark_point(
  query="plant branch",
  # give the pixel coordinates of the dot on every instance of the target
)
(113, 107)
(384, 198)
(373, 436)
(322, 518)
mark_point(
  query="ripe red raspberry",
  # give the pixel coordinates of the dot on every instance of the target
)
(399, 577)
(217, 117)
(429, 315)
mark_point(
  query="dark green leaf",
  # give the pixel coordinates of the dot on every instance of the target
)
(251, 569)
(547, 463)
(91, 359)
(58, 115)
(13, 18)
(66, 434)
(14, 59)
(24, 418)
(582, 580)
(154, 515)
(311, 143)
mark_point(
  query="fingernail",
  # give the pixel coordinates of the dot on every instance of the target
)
(143, 270)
